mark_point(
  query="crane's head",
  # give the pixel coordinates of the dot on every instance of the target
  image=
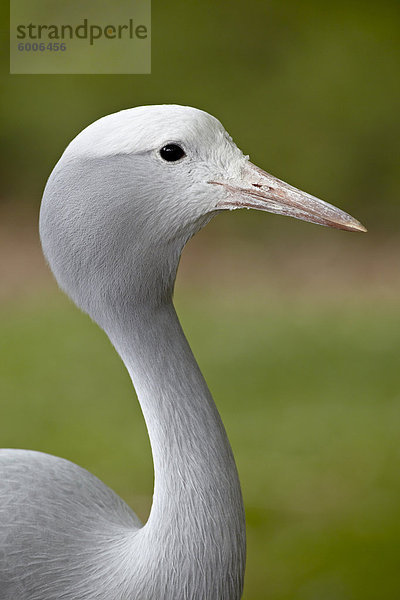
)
(134, 186)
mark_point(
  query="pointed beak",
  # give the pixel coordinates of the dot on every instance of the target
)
(262, 191)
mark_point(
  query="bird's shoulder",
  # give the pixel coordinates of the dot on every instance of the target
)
(58, 523)
(45, 485)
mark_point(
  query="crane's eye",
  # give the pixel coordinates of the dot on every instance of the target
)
(172, 152)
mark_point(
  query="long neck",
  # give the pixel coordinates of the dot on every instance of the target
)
(195, 536)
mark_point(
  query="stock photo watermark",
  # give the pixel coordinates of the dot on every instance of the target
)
(80, 37)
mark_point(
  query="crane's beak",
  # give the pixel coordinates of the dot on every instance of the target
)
(262, 191)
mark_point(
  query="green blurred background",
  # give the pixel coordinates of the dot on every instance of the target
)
(296, 327)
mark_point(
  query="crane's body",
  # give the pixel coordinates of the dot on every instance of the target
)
(120, 205)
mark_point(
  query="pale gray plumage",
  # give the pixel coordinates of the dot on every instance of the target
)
(114, 219)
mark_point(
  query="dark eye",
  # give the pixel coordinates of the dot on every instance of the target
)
(172, 152)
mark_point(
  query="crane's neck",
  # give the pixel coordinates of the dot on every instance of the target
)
(195, 536)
